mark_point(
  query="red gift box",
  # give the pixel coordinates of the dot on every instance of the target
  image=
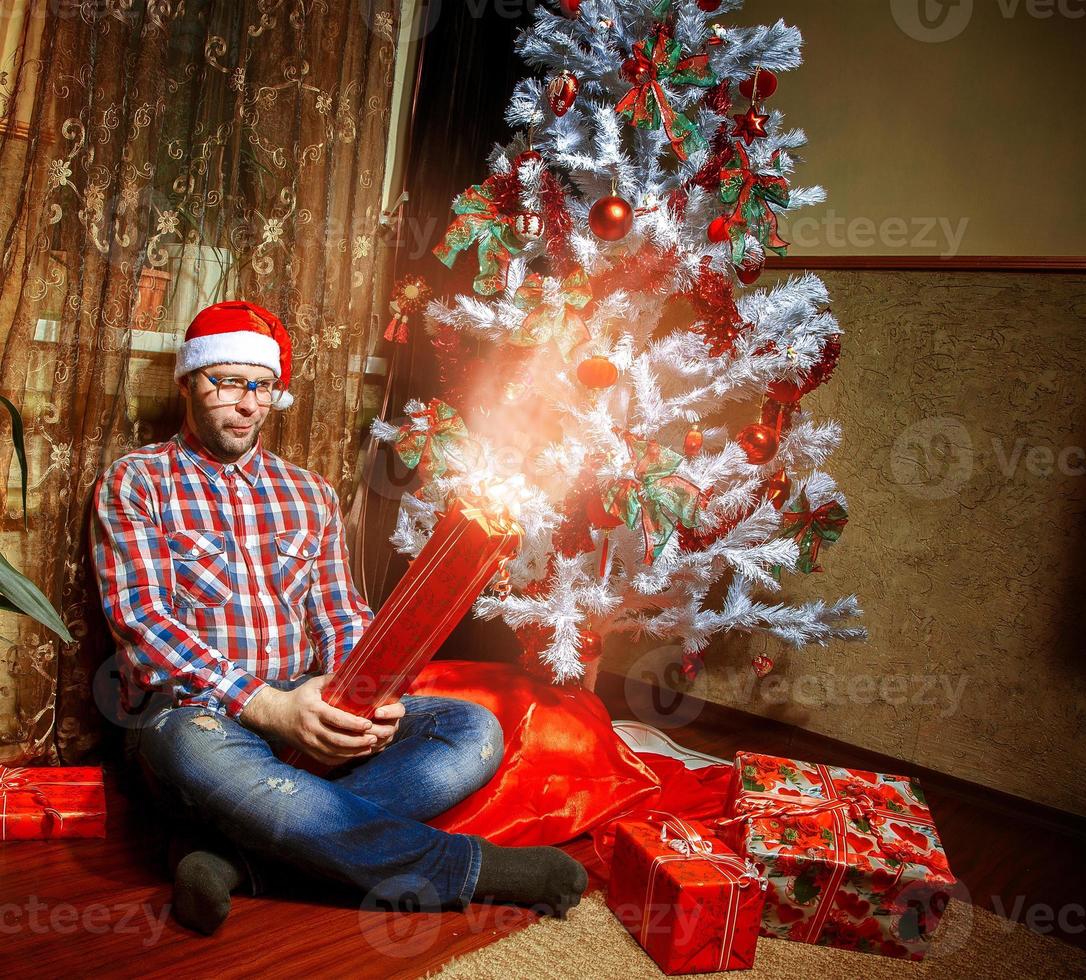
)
(852, 857)
(692, 904)
(47, 802)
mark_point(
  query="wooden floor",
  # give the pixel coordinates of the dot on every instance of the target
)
(98, 907)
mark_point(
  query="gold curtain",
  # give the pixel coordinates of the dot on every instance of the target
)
(157, 156)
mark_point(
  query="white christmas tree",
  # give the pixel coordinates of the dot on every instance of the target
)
(617, 238)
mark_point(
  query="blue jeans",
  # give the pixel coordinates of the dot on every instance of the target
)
(362, 827)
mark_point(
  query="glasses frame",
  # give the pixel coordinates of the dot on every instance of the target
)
(250, 385)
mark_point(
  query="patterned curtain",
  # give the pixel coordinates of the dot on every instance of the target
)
(157, 156)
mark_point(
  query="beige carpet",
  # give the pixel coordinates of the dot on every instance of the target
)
(591, 945)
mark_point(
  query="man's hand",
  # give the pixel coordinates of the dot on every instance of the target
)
(304, 721)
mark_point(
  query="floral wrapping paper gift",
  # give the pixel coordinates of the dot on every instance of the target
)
(853, 858)
(693, 904)
(47, 801)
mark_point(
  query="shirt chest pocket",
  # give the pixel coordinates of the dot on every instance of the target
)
(200, 569)
(295, 553)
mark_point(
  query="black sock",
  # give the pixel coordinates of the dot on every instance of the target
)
(543, 877)
(201, 890)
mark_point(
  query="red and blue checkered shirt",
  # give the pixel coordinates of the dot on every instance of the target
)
(218, 577)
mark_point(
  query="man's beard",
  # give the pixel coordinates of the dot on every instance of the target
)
(223, 443)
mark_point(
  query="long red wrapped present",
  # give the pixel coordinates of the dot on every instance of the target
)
(853, 857)
(46, 802)
(693, 904)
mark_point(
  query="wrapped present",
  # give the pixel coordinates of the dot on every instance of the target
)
(692, 904)
(852, 858)
(47, 802)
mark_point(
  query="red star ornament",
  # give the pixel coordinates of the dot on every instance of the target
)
(750, 126)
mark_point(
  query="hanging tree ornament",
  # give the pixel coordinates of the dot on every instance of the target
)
(748, 195)
(597, 372)
(646, 106)
(529, 226)
(435, 439)
(750, 126)
(789, 391)
(762, 665)
(749, 271)
(553, 315)
(562, 92)
(694, 441)
(759, 442)
(759, 87)
(811, 528)
(409, 295)
(777, 489)
(709, 6)
(611, 218)
(528, 156)
(571, 8)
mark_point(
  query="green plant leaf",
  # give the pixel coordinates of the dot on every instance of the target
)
(28, 599)
(20, 449)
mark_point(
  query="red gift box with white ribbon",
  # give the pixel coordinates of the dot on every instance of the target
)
(49, 802)
(692, 904)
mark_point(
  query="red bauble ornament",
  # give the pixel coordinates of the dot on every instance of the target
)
(762, 665)
(528, 156)
(749, 272)
(759, 442)
(709, 6)
(591, 645)
(597, 516)
(786, 391)
(611, 218)
(571, 8)
(750, 126)
(695, 439)
(562, 92)
(718, 229)
(777, 489)
(528, 225)
(767, 85)
(597, 372)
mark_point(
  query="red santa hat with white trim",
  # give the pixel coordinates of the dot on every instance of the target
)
(237, 332)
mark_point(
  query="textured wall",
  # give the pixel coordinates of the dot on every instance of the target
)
(963, 401)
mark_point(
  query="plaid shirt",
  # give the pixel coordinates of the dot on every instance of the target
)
(216, 578)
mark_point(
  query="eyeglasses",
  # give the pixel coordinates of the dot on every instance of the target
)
(232, 390)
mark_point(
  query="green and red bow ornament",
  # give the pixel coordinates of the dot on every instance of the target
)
(658, 59)
(750, 196)
(553, 316)
(480, 220)
(441, 437)
(811, 528)
(653, 498)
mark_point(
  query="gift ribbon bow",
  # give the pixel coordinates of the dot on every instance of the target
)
(688, 845)
(859, 809)
(811, 527)
(18, 780)
(646, 104)
(430, 446)
(479, 220)
(654, 498)
(553, 318)
(750, 195)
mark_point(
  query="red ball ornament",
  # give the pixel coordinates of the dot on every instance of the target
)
(718, 229)
(598, 516)
(709, 6)
(528, 225)
(597, 372)
(611, 218)
(750, 271)
(777, 489)
(786, 391)
(528, 156)
(759, 442)
(695, 439)
(562, 92)
(591, 645)
(571, 8)
(767, 85)
(762, 665)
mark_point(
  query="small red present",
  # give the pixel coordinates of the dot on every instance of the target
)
(692, 904)
(47, 802)
(852, 857)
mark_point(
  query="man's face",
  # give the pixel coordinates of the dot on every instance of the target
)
(227, 431)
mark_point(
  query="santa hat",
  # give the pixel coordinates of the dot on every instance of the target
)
(237, 333)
